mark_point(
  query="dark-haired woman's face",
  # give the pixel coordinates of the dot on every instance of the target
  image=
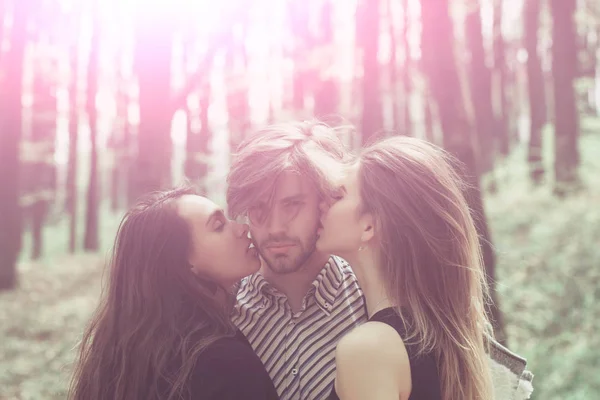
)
(220, 248)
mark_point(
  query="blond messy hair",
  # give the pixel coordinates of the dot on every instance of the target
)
(431, 258)
(310, 148)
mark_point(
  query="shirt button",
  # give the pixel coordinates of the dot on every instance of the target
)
(327, 305)
(294, 372)
(292, 322)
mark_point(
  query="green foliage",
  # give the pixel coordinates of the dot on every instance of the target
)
(549, 281)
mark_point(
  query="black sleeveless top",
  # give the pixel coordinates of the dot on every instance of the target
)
(423, 369)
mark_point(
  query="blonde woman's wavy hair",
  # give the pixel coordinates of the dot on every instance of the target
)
(431, 258)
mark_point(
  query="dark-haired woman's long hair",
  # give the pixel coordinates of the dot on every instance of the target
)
(155, 315)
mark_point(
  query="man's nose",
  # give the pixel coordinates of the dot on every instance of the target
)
(275, 223)
(324, 206)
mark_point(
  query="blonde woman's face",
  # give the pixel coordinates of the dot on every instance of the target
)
(342, 226)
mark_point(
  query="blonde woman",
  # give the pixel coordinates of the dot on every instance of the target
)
(400, 219)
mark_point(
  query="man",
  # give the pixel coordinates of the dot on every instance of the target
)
(301, 302)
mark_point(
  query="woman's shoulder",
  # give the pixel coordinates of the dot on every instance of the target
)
(370, 353)
(372, 339)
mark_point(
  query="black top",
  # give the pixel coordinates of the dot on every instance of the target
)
(423, 369)
(230, 370)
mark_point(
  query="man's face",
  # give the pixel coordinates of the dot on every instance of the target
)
(284, 224)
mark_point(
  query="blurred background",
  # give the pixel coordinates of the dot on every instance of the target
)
(103, 101)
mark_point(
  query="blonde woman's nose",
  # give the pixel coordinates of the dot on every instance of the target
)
(324, 206)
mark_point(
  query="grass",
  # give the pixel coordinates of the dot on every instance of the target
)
(548, 252)
(41, 321)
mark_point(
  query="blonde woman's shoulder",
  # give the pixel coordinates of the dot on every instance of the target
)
(372, 362)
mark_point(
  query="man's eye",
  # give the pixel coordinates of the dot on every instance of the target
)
(256, 214)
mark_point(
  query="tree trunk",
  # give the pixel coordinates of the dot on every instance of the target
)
(121, 144)
(198, 138)
(90, 241)
(71, 201)
(42, 174)
(407, 73)
(564, 69)
(441, 66)
(535, 86)
(326, 91)
(393, 69)
(2, 11)
(11, 115)
(428, 112)
(299, 21)
(238, 111)
(153, 67)
(501, 74)
(372, 114)
(480, 88)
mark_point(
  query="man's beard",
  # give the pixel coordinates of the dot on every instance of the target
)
(284, 264)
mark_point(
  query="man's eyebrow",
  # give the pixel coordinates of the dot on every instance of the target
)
(215, 214)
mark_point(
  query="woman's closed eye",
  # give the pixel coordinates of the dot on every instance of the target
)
(219, 225)
(337, 195)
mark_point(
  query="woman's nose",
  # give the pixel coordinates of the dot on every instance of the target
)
(324, 206)
(242, 229)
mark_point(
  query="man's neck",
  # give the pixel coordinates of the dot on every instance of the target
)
(295, 285)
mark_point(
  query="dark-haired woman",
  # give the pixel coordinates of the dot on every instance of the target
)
(162, 330)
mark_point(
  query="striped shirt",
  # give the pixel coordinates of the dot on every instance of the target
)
(298, 350)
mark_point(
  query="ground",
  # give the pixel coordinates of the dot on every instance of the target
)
(548, 252)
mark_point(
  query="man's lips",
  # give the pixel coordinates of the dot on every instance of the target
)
(280, 247)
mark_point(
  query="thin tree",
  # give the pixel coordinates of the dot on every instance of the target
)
(153, 52)
(502, 115)
(42, 173)
(447, 90)
(2, 12)
(372, 113)
(480, 87)
(198, 130)
(71, 182)
(536, 91)
(11, 118)
(119, 142)
(393, 66)
(90, 241)
(564, 70)
(326, 91)
(407, 71)
(299, 18)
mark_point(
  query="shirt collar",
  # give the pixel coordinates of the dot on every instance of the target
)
(324, 288)
(327, 284)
